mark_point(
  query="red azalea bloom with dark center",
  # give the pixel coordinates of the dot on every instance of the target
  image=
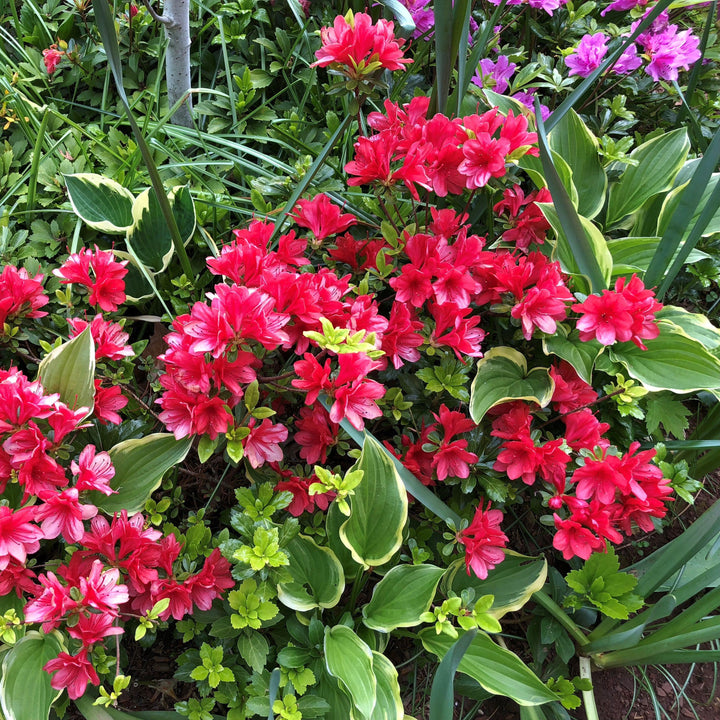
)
(322, 217)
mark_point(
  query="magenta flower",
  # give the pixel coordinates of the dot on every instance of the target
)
(588, 55)
(494, 75)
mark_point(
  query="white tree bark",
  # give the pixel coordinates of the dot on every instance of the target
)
(176, 20)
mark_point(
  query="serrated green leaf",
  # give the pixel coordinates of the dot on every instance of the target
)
(663, 409)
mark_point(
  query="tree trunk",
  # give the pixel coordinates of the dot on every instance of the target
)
(177, 60)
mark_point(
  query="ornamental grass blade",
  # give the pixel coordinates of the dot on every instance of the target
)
(672, 238)
(466, 69)
(444, 60)
(655, 569)
(616, 51)
(106, 26)
(569, 219)
(695, 71)
(442, 695)
(308, 177)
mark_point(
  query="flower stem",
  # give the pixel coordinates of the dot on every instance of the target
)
(542, 598)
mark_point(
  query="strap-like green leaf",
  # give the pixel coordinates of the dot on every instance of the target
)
(569, 219)
(442, 694)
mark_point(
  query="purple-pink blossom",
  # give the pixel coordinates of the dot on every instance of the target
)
(588, 55)
(494, 75)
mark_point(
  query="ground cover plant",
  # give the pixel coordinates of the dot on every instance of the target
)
(364, 361)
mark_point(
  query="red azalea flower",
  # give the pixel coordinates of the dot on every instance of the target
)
(108, 400)
(483, 541)
(72, 673)
(109, 337)
(263, 443)
(357, 47)
(52, 57)
(322, 217)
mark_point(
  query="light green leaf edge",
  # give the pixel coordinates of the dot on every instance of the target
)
(381, 483)
(509, 364)
(90, 209)
(140, 464)
(407, 591)
(327, 575)
(70, 370)
(350, 661)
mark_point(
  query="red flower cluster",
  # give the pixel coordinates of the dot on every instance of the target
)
(527, 224)
(611, 492)
(483, 541)
(106, 284)
(625, 313)
(21, 296)
(440, 154)
(121, 570)
(356, 47)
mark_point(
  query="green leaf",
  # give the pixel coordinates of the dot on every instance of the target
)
(681, 219)
(663, 409)
(70, 370)
(253, 649)
(499, 671)
(140, 464)
(502, 375)
(657, 367)
(442, 694)
(318, 580)
(25, 691)
(398, 600)
(100, 202)
(581, 355)
(373, 532)
(511, 583)
(695, 325)
(568, 253)
(571, 139)
(577, 243)
(149, 236)
(388, 703)
(658, 162)
(533, 166)
(350, 660)
(634, 254)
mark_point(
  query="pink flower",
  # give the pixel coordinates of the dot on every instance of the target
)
(18, 537)
(322, 217)
(588, 55)
(357, 47)
(106, 284)
(93, 628)
(52, 57)
(484, 158)
(110, 339)
(263, 443)
(72, 672)
(101, 589)
(211, 581)
(107, 402)
(94, 471)
(483, 541)
(62, 514)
